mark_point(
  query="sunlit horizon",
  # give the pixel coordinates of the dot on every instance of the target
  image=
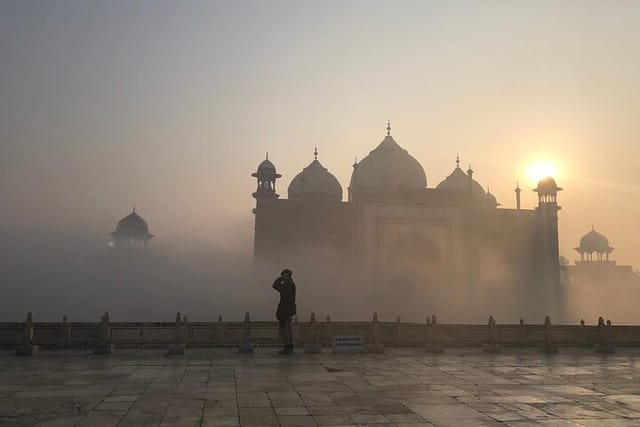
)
(172, 106)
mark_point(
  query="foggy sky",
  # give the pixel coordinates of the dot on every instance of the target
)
(171, 106)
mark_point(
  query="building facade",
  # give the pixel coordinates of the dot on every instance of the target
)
(392, 222)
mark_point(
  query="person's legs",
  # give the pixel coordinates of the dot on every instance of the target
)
(289, 334)
(282, 329)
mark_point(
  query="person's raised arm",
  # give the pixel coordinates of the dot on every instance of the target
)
(277, 284)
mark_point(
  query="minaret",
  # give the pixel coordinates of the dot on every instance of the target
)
(518, 191)
(470, 175)
(265, 196)
(547, 211)
(354, 177)
(266, 176)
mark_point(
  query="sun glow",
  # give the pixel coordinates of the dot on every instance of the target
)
(541, 169)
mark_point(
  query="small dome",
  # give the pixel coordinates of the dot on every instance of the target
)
(594, 242)
(389, 166)
(547, 185)
(132, 226)
(458, 181)
(266, 169)
(315, 181)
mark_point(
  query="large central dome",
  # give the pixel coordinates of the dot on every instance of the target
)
(389, 166)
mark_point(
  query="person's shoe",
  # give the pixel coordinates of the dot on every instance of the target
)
(289, 349)
(285, 350)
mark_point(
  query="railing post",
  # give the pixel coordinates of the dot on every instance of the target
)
(581, 334)
(186, 332)
(220, 332)
(312, 347)
(246, 346)
(548, 346)
(522, 333)
(427, 328)
(375, 346)
(434, 338)
(103, 345)
(604, 343)
(65, 330)
(178, 345)
(27, 348)
(328, 330)
(492, 346)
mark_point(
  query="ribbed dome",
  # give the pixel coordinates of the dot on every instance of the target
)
(132, 226)
(315, 181)
(594, 242)
(132, 222)
(266, 167)
(389, 166)
(266, 170)
(547, 185)
(458, 181)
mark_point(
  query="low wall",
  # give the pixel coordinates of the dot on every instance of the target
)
(217, 334)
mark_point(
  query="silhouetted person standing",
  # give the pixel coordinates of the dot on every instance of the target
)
(286, 308)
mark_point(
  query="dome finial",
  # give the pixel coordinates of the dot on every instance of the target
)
(134, 208)
(388, 127)
(315, 153)
(457, 161)
(267, 156)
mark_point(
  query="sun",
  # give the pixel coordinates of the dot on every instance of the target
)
(541, 169)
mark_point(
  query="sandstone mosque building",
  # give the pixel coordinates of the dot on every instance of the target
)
(452, 233)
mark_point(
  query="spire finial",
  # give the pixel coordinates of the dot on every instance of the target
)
(134, 208)
(315, 153)
(267, 155)
(458, 161)
(388, 127)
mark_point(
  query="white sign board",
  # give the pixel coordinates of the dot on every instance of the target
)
(348, 344)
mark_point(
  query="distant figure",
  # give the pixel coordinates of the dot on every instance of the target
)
(286, 308)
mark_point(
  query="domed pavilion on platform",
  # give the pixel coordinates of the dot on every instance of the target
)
(595, 264)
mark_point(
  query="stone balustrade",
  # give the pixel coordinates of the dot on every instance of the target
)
(68, 334)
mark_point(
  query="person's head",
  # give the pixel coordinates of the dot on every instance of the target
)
(286, 274)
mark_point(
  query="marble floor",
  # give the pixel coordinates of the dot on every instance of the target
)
(404, 387)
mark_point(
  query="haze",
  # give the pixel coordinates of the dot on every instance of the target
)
(170, 106)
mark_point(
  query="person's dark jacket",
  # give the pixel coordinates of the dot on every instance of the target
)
(287, 289)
